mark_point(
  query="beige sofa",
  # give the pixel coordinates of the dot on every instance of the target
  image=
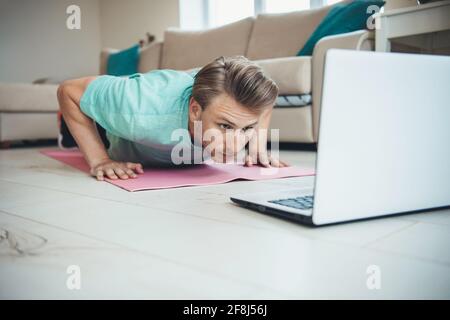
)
(27, 112)
(272, 40)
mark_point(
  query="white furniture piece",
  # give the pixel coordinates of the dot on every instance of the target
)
(410, 21)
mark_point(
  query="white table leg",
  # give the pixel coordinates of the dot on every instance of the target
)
(382, 43)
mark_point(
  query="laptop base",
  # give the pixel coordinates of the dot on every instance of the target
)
(303, 219)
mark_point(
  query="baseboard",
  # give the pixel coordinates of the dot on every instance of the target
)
(29, 143)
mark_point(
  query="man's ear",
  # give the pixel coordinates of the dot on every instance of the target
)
(195, 110)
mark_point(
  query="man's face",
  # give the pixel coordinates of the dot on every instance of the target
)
(226, 126)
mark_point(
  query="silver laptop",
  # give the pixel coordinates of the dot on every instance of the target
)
(383, 145)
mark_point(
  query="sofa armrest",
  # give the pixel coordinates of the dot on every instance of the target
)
(357, 40)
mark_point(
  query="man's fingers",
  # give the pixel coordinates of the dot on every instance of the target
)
(264, 160)
(116, 170)
(285, 164)
(130, 165)
(110, 173)
(135, 166)
(99, 175)
(130, 173)
(248, 161)
(275, 162)
(139, 168)
(121, 173)
(253, 147)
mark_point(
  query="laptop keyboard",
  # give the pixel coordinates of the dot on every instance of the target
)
(303, 202)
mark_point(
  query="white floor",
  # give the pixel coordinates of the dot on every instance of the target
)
(191, 243)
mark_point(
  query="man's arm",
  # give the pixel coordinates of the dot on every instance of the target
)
(86, 136)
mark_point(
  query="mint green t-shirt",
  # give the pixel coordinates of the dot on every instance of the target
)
(140, 112)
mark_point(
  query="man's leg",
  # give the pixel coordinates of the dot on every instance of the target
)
(66, 139)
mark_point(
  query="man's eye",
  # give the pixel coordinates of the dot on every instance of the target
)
(248, 128)
(225, 126)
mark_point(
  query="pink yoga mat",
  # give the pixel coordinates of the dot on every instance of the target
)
(197, 175)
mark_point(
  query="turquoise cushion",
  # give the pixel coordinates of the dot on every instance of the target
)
(123, 63)
(342, 18)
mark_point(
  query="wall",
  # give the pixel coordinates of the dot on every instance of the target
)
(396, 4)
(193, 15)
(35, 42)
(123, 23)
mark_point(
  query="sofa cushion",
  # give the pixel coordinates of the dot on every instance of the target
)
(25, 97)
(104, 55)
(123, 63)
(291, 74)
(283, 34)
(342, 18)
(188, 49)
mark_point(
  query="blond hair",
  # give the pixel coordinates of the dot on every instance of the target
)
(238, 77)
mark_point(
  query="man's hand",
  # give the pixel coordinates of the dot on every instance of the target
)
(265, 159)
(257, 146)
(115, 170)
